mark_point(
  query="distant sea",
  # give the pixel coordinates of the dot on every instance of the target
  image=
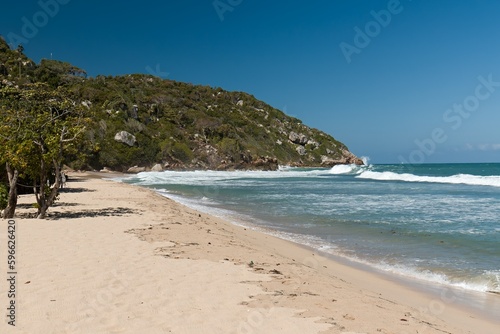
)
(433, 222)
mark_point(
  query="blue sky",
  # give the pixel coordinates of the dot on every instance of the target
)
(413, 81)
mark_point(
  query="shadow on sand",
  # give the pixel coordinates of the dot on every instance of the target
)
(75, 190)
(106, 212)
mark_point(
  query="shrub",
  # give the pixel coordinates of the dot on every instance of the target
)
(4, 195)
(182, 152)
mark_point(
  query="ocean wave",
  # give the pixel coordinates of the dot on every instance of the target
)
(348, 169)
(365, 160)
(213, 177)
(475, 180)
(488, 281)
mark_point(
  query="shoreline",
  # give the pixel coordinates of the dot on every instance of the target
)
(263, 284)
(462, 298)
(438, 293)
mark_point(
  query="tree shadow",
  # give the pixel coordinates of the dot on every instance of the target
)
(25, 205)
(64, 204)
(71, 180)
(106, 212)
(75, 190)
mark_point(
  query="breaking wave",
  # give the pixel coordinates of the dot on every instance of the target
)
(475, 180)
(348, 169)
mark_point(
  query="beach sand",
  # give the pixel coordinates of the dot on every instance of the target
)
(116, 258)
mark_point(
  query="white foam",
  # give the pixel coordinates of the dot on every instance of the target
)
(283, 168)
(488, 281)
(476, 180)
(342, 169)
(348, 169)
(205, 178)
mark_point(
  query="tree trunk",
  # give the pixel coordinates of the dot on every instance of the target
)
(40, 192)
(45, 200)
(42, 212)
(13, 175)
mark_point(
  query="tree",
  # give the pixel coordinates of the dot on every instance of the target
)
(38, 127)
(57, 73)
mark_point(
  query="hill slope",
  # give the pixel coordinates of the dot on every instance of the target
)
(143, 120)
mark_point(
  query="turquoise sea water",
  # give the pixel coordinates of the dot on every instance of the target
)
(433, 222)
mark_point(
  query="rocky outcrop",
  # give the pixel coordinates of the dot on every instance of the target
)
(313, 143)
(301, 150)
(126, 138)
(347, 159)
(265, 163)
(136, 169)
(106, 170)
(157, 168)
(296, 138)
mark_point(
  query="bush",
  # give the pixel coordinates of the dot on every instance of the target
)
(4, 196)
(230, 147)
(182, 152)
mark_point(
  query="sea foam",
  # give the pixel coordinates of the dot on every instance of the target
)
(475, 180)
(347, 169)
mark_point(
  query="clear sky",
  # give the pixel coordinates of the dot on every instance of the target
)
(414, 81)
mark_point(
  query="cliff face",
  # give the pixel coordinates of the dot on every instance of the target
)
(141, 120)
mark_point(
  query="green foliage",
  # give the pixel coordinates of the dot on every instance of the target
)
(38, 127)
(230, 147)
(175, 123)
(56, 73)
(4, 195)
(186, 125)
(181, 151)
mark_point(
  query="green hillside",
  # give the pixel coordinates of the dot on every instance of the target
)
(142, 120)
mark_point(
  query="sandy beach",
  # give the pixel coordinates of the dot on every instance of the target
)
(116, 258)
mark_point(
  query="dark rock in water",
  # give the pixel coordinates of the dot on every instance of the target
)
(347, 159)
(265, 163)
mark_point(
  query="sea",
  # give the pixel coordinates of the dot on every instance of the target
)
(436, 223)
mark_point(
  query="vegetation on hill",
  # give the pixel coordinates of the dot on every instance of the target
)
(52, 114)
(174, 124)
(185, 126)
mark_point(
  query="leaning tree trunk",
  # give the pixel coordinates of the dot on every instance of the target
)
(13, 175)
(39, 190)
(46, 200)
